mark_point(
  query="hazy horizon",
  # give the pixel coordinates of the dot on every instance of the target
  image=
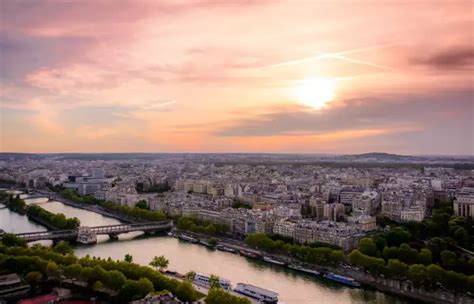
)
(234, 152)
(197, 76)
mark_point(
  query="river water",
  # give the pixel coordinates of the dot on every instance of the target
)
(293, 287)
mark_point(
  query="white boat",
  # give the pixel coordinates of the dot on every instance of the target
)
(203, 280)
(270, 260)
(261, 294)
(86, 239)
(85, 236)
(302, 269)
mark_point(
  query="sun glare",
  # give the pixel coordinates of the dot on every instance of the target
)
(316, 92)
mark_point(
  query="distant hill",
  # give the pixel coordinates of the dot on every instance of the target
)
(381, 156)
(372, 157)
(388, 157)
(18, 156)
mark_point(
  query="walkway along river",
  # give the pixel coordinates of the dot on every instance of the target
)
(293, 287)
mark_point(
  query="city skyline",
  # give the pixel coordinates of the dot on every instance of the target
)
(160, 76)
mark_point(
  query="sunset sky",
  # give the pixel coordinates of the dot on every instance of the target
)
(237, 76)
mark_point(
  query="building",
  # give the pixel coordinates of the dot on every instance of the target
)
(363, 222)
(463, 203)
(366, 203)
(307, 232)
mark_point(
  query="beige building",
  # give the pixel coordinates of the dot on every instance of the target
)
(464, 203)
(363, 222)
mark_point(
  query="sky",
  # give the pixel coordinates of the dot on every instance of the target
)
(237, 76)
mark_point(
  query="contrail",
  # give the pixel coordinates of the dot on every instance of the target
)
(337, 55)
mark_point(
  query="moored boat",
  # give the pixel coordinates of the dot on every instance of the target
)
(205, 243)
(248, 254)
(203, 280)
(273, 261)
(261, 294)
(302, 269)
(188, 238)
(86, 236)
(226, 249)
(341, 279)
(87, 239)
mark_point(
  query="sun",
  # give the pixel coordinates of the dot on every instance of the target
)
(316, 92)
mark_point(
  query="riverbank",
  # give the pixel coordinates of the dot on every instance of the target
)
(396, 287)
(96, 209)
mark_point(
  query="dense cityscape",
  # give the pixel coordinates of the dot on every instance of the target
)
(236, 152)
(403, 227)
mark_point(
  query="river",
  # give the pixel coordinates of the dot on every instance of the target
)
(293, 287)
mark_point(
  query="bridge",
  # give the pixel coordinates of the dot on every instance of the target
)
(34, 195)
(112, 230)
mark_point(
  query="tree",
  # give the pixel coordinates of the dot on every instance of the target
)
(380, 242)
(213, 241)
(63, 247)
(51, 269)
(10, 240)
(397, 268)
(214, 282)
(435, 273)
(114, 279)
(461, 236)
(367, 246)
(418, 274)
(98, 285)
(390, 253)
(425, 257)
(448, 259)
(128, 258)
(407, 254)
(397, 236)
(159, 262)
(210, 229)
(219, 296)
(142, 205)
(33, 277)
(186, 292)
(190, 275)
(134, 290)
(73, 270)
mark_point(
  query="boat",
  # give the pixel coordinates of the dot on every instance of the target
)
(261, 294)
(341, 279)
(86, 236)
(205, 243)
(226, 249)
(188, 238)
(302, 269)
(273, 261)
(171, 272)
(203, 280)
(248, 254)
(86, 239)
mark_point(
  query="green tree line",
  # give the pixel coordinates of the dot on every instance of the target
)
(58, 220)
(307, 254)
(198, 226)
(130, 280)
(13, 202)
(135, 212)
